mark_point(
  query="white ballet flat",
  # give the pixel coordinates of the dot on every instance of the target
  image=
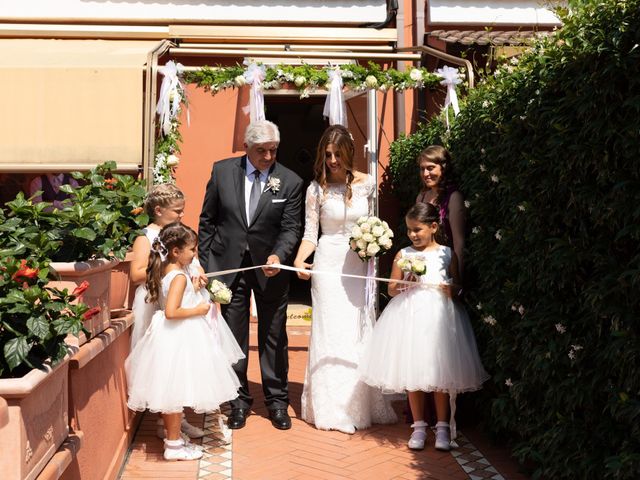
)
(181, 452)
(416, 442)
(443, 439)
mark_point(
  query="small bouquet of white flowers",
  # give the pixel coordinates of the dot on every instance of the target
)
(220, 293)
(370, 237)
(412, 265)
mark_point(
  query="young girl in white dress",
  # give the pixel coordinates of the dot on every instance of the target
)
(178, 363)
(164, 204)
(423, 341)
(334, 396)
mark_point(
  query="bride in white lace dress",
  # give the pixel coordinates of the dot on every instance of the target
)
(334, 396)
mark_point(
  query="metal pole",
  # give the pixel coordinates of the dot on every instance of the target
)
(372, 151)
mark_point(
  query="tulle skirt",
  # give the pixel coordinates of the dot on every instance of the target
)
(180, 363)
(142, 313)
(423, 341)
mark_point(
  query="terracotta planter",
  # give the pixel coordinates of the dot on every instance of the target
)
(120, 297)
(98, 274)
(38, 420)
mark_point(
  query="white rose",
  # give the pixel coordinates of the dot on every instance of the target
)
(367, 237)
(356, 233)
(418, 267)
(365, 227)
(378, 230)
(172, 160)
(385, 225)
(387, 245)
(402, 263)
(240, 81)
(373, 221)
(389, 233)
(415, 75)
(300, 81)
(361, 220)
(383, 239)
(371, 81)
(172, 94)
(372, 249)
(361, 244)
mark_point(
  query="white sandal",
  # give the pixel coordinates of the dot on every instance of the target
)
(181, 452)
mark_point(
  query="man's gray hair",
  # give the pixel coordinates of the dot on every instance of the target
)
(262, 131)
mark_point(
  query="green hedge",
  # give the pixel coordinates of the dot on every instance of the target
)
(548, 155)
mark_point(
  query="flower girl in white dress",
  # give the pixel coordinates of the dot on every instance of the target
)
(423, 341)
(178, 362)
(164, 204)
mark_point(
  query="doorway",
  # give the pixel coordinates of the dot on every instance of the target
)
(301, 125)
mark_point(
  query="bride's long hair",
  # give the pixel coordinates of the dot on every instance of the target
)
(343, 141)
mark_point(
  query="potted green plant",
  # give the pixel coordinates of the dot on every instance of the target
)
(97, 226)
(35, 320)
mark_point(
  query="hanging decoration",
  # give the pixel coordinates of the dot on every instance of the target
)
(334, 106)
(254, 76)
(450, 78)
(303, 78)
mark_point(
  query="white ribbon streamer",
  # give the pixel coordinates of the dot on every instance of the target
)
(322, 272)
(450, 79)
(255, 75)
(167, 107)
(334, 105)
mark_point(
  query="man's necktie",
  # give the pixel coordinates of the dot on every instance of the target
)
(254, 196)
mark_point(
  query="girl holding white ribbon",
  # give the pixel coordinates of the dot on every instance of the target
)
(178, 362)
(334, 396)
(423, 341)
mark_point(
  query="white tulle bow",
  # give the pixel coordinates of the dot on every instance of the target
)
(255, 75)
(450, 79)
(334, 105)
(170, 97)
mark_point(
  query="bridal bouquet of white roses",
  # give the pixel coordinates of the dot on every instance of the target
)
(220, 293)
(370, 237)
(413, 265)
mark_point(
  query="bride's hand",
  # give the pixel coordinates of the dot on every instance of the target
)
(305, 266)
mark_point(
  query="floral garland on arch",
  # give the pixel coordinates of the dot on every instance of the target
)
(304, 78)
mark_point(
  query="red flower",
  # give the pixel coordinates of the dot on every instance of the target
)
(24, 272)
(90, 313)
(79, 290)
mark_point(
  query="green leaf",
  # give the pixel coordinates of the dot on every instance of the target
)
(16, 351)
(38, 326)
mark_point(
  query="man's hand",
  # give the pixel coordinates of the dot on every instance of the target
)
(270, 272)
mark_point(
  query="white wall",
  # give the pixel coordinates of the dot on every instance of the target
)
(354, 11)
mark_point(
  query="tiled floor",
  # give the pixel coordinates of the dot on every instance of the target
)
(259, 451)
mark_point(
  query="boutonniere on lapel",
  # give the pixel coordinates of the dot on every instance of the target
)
(273, 184)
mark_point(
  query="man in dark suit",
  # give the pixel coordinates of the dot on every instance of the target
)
(251, 216)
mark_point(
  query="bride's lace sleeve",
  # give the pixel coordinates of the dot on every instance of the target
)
(312, 213)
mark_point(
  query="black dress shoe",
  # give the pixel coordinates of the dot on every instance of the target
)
(237, 418)
(280, 418)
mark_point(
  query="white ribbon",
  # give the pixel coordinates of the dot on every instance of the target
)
(450, 79)
(167, 107)
(254, 75)
(322, 272)
(334, 105)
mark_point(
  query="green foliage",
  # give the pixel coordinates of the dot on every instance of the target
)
(100, 219)
(102, 216)
(403, 154)
(307, 77)
(547, 152)
(34, 318)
